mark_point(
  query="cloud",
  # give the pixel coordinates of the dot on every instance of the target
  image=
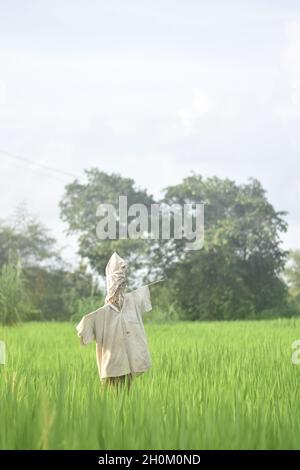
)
(3, 93)
(215, 105)
(201, 105)
(291, 67)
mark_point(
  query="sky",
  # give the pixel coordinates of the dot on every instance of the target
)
(152, 90)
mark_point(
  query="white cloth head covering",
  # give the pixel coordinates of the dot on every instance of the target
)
(115, 280)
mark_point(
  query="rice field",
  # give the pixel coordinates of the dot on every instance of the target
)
(227, 385)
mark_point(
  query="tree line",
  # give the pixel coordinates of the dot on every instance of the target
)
(242, 270)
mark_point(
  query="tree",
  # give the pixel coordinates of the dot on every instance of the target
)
(26, 238)
(79, 207)
(238, 271)
(58, 292)
(15, 302)
(292, 274)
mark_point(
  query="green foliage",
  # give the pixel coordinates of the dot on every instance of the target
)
(27, 239)
(292, 274)
(15, 304)
(164, 307)
(45, 282)
(237, 274)
(79, 206)
(58, 293)
(85, 305)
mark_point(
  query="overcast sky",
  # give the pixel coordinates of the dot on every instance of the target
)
(152, 90)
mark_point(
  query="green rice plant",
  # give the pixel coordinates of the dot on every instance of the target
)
(212, 385)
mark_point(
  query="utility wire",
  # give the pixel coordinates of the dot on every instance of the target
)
(40, 165)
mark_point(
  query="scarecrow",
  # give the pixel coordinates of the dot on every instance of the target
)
(117, 327)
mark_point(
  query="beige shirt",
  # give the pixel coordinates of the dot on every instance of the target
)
(121, 343)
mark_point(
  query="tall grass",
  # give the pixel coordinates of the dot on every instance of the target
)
(212, 386)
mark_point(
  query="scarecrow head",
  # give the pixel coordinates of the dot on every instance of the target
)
(115, 280)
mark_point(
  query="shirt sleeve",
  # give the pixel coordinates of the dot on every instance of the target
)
(86, 329)
(143, 299)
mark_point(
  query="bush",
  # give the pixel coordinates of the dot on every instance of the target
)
(15, 302)
(85, 305)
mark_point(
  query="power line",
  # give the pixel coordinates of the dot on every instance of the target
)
(40, 165)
